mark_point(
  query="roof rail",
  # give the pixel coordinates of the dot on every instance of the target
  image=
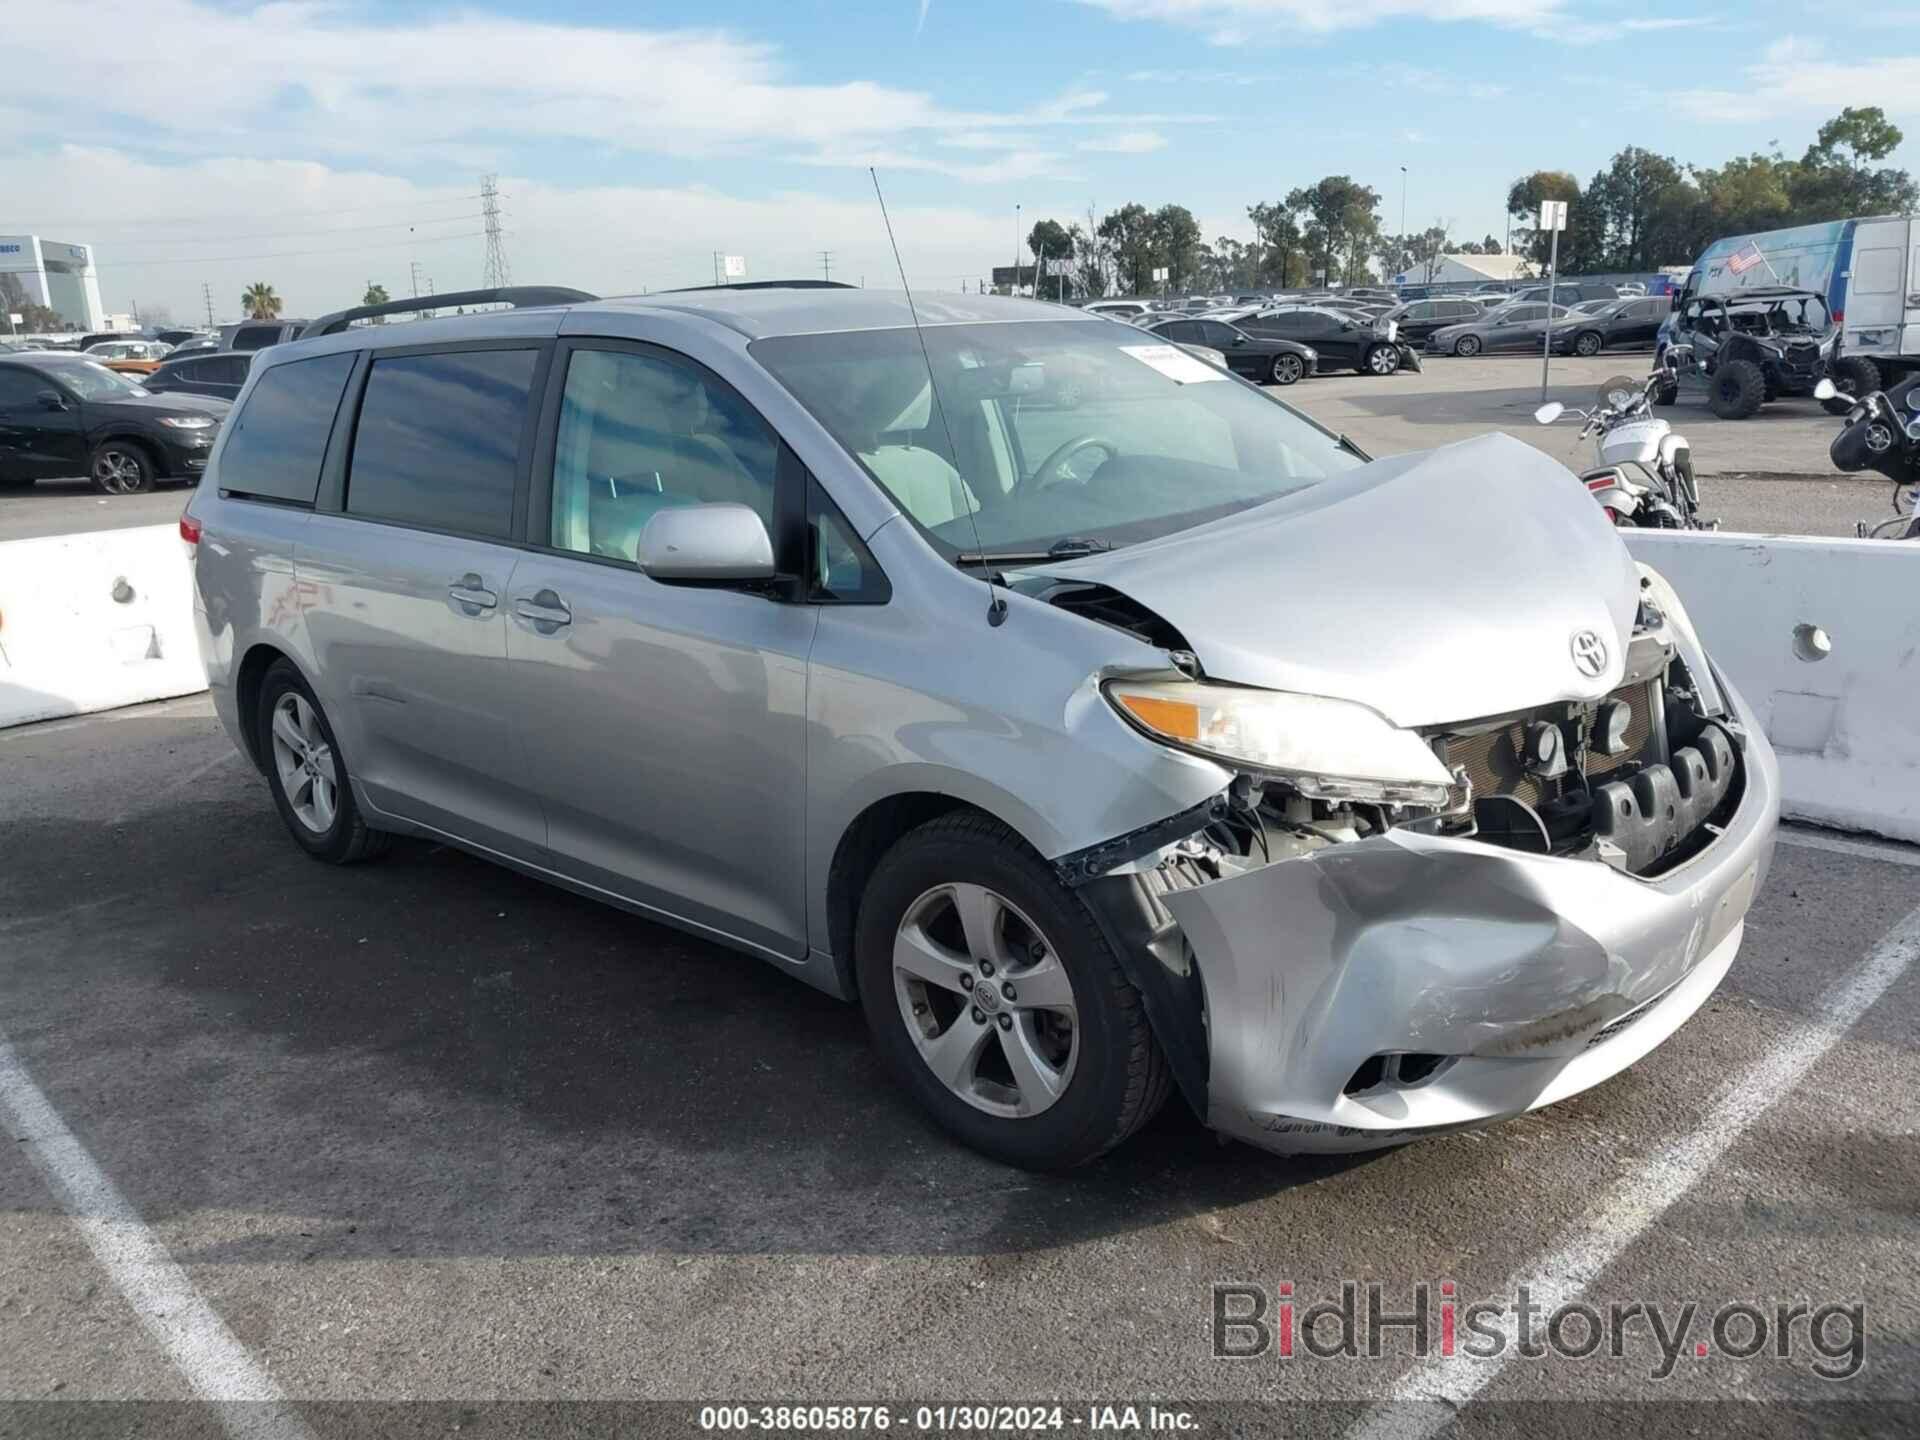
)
(763, 285)
(518, 296)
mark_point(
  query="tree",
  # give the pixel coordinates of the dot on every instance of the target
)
(1176, 244)
(1128, 231)
(1343, 224)
(1836, 176)
(1049, 241)
(1419, 254)
(1092, 258)
(376, 295)
(35, 319)
(1524, 198)
(1282, 247)
(1632, 198)
(260, 302)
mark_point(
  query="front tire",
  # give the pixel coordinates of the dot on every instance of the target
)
(120, 467)
(1467, 346)
(1287, 369)
(1736, 390)
(308, 774)
(1856, 375)
(996, 1001)
(1381, 360)
(1587, 343)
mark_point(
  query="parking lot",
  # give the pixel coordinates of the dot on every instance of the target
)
(425, 1131)
(1769, 474)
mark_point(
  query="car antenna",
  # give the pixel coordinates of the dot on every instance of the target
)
(996, 602)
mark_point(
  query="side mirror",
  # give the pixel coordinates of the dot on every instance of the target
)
(1549, 412)
(52, 400)
(1825, 389)
(705, 542)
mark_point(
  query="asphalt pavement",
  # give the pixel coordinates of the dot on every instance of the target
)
(436, 1148)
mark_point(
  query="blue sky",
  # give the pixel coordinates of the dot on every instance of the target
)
(217, 141)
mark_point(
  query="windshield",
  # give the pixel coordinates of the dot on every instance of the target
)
(1053, 431)
(91, 381)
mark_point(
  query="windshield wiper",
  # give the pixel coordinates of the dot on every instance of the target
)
(1070, 547)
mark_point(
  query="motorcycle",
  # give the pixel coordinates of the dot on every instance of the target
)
(1645, 476)
(1882, 432)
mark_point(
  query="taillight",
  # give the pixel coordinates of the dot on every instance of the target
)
(1613, 515)
(190, 529)
(1598, 485)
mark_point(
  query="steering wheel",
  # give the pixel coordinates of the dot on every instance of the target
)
(1059, 457)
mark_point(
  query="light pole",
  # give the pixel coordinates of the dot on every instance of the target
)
(1403, 207)
(1013, 285)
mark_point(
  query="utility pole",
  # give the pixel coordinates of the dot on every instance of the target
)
(206, 293)
(716, 267)
(826, 265)
(497, 274)
(1553, 217)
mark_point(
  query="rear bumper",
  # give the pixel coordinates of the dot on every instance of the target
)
(1534, 977)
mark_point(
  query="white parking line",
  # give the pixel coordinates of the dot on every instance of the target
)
(1891, 851)
(1429, 1395)
(203, 1350)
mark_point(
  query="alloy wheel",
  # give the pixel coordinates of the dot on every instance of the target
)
(986, 1000)
(1383, 360)
(117, 472)
(1286, 369)
(304, 762)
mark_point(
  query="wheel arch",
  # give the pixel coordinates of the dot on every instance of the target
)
(248, 677)
(128, 435)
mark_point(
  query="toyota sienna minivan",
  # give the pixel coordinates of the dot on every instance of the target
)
(1159, 742)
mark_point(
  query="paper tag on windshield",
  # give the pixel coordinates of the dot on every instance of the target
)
(1174, 363)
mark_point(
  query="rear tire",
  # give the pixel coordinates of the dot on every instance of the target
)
(1100, 1075)
(1736, 390)
(307, 773)
(1467, 346)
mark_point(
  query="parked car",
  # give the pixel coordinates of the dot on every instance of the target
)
(1629, 320)
(128, 357)
(194, 347)
(258, 334)
(1341, 341)
(211, 372)
(1569, 291)
(1117, 309)
(1027, 730)
(1266, 359)
(1516, 326)
(69, 415)
(1748, 347)
(1414, 322)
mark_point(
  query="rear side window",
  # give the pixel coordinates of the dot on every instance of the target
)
(438, 441)
(276, 442)
(256, 337)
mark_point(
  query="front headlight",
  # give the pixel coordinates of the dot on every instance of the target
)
(1328, 749)
(189, 422)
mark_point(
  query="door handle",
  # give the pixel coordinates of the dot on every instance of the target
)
(546, 611)
(471, 594)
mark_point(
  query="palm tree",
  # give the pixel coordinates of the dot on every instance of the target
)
(260, 302)
(376, 295)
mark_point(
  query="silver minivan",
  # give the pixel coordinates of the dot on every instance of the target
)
(1156, 741)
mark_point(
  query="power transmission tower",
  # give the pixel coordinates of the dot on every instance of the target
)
(826, 265)
(497, 274)
(206, 292)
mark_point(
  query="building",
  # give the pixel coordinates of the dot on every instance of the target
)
(56, 274)
(1473, 270)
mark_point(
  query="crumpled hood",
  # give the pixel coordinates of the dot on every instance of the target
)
(1438, 586)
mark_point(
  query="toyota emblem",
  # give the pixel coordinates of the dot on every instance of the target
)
(1589, 653)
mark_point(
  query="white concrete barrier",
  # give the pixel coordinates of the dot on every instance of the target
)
(91, 622)
(1823, 638)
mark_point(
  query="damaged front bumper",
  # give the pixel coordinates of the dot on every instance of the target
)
(1412, 983)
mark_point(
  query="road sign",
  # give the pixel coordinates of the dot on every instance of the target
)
(15, 318)
(1553, 214)
(735, 266)
(1160, 273)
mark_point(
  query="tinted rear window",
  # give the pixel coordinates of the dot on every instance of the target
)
(438, 442)
(276, 441)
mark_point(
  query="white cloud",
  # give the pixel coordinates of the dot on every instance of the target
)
(1795, 78)
(326, 232)
(1126, 142)
(1401, 76)
(319, 78)
(1232, 21)
(1668, 22)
